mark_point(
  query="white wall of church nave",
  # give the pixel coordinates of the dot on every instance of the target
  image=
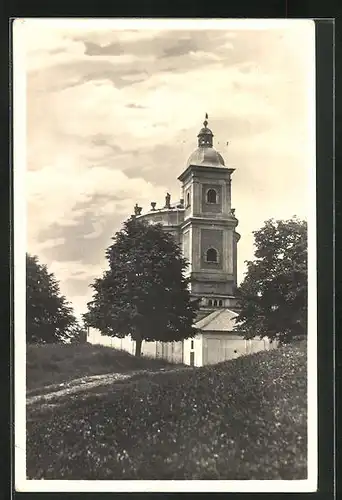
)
(197, 343)
(222, 346)
(208, 347)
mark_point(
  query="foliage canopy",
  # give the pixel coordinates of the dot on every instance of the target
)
(273, 294)
(49, 317)
(144, 293)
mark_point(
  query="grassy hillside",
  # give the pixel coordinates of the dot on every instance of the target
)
(242, 419)
(57, 363)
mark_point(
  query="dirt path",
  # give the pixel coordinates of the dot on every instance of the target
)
(76, 386)
(51, 392)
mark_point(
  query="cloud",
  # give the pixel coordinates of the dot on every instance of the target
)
(93, 49)
(52, 243)
(180, 47)
(133, 105)
(75, 278)
(105, 140)
(113, 115)
(105, 37)
(73, 269)
(158, 43)
(98, 230)
(75, 59)
(60, 193)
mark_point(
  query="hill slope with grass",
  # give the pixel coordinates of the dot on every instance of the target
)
(52, 364)
(242, 419)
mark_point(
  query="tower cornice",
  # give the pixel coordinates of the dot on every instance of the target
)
(220, 171)
(206, 221)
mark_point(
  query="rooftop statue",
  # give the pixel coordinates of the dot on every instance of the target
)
(137, 209)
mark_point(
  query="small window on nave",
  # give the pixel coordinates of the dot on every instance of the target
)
(215, 303)
(211, 196)
(210, 302)
(220, 303)
(211, 255)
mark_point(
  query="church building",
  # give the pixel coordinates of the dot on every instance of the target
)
(204, 224)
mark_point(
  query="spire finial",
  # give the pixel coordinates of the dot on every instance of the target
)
(205, 123)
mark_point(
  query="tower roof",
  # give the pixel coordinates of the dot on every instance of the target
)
(206, 157)
(205, 154)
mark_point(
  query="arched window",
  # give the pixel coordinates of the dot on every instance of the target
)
(215, 302)
(210, 302)
(211, 196)
(220, 303)
(211, 255)
(188, 200)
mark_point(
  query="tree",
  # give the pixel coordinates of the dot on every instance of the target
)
(273, 294)
(49, 317)
(144, 293)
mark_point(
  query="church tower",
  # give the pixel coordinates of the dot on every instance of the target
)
(208, 230)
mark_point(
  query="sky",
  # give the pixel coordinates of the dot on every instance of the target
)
(113, 112)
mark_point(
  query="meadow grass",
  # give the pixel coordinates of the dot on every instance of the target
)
(241, 419)
(52, 364)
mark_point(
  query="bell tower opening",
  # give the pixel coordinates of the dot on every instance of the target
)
(212, 255)
(212, 196)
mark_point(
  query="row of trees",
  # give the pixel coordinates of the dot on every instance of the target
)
(144, 293)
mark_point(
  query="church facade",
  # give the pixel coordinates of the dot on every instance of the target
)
(204, 224)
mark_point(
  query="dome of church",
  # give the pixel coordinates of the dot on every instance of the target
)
(205, 155)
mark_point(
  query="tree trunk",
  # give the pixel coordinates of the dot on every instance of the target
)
(138, 344)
